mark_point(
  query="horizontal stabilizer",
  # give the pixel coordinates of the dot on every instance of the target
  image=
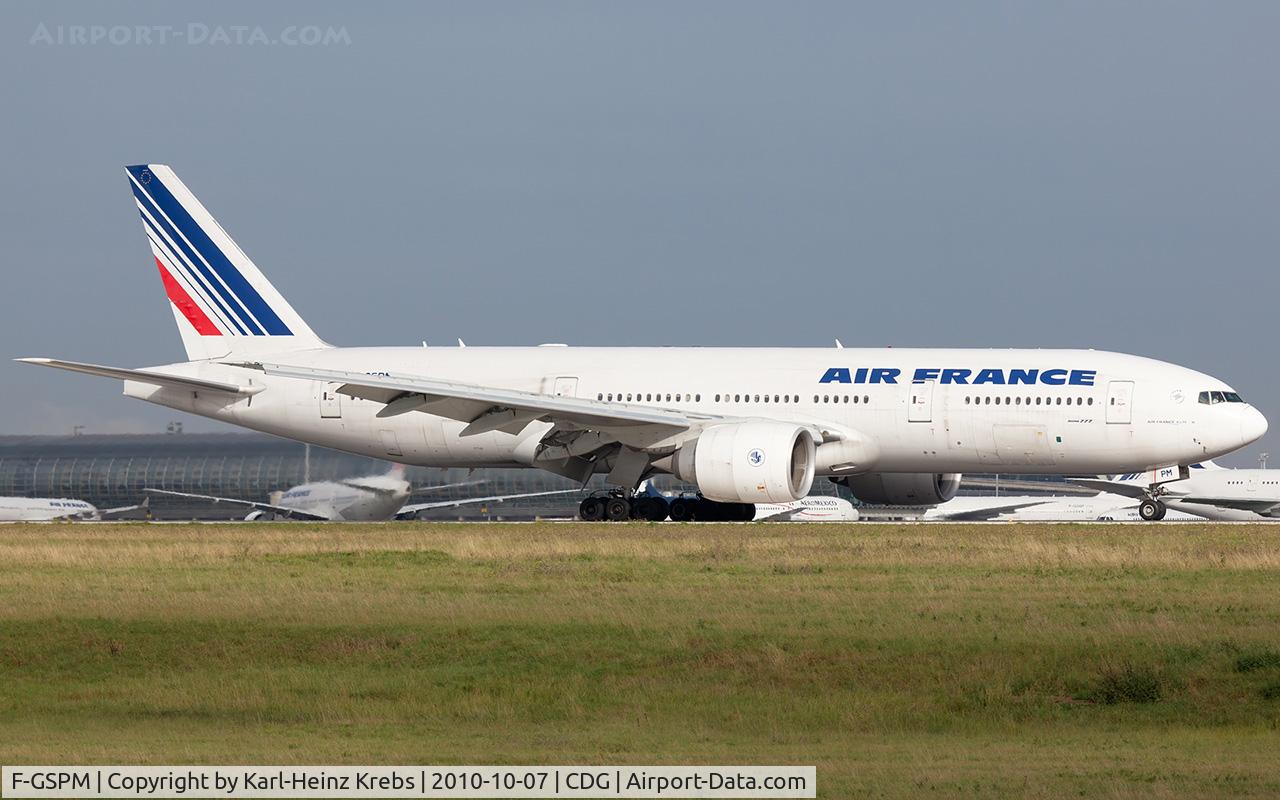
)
(145, 376)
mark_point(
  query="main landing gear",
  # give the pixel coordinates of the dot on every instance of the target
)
(616, 506)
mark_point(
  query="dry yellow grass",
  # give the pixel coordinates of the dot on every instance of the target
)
(904, 660)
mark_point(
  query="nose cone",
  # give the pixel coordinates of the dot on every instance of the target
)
(1253, 425)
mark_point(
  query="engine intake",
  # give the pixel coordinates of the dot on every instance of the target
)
(904, 488)
(749, 462)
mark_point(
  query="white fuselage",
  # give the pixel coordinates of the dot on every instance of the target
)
(1029, 411)
(44, 509)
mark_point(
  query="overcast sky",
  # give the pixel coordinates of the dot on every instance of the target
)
(946, 174)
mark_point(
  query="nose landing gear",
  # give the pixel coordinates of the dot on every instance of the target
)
(1152, 510)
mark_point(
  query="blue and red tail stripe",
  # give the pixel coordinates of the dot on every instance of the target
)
(210, 269)
(183, 302)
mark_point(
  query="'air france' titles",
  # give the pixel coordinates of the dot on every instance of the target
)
(967, 377)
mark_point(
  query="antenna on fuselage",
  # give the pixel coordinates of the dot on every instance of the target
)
(838, 345)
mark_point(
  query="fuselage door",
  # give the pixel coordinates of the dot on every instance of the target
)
(920, 402)
(330, 401)
(1120, 402)
(566, 386)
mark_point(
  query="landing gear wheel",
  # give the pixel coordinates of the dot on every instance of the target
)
(616, 509)
(681, 510)
(1151, 510)
(591, 509)
(653, 509)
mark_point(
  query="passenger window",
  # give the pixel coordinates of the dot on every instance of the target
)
(815, 398)
(737, 398)
(1090, 401)
(987, 401)
(697, 398)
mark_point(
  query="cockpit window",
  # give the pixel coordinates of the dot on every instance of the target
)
(1212, 398)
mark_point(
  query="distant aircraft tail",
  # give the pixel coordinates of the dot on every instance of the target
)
(222, 302)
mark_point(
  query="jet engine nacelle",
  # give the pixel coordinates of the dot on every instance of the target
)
(904, 488)
(749, 462)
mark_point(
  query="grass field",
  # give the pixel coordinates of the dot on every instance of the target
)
(902, 660)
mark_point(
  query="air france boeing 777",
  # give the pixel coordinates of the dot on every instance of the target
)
(744, 425)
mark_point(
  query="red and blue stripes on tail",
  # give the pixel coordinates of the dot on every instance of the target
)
(216, 291)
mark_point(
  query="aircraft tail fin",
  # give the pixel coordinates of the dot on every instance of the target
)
(222, 302)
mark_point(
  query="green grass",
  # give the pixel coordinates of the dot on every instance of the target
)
(902, 660)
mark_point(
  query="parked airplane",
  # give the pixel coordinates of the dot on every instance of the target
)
(46, 509)
(1210, 492)
(744, 425)
(1041, 508)
(364, 499)
(814, 508)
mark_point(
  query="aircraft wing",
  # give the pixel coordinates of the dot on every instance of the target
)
(992, 511)
(1136, 491)
(781, 514)
(104, 513)
(410, 510)
(1260, 506)
(488, 409)
(144, 376)
(435, 487)
(283, 511)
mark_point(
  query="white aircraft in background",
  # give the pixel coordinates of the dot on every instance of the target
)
(1041, 508)
(745, 425)
(814, 508)
(365, 499)
(1211, 492)
(53, 509)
